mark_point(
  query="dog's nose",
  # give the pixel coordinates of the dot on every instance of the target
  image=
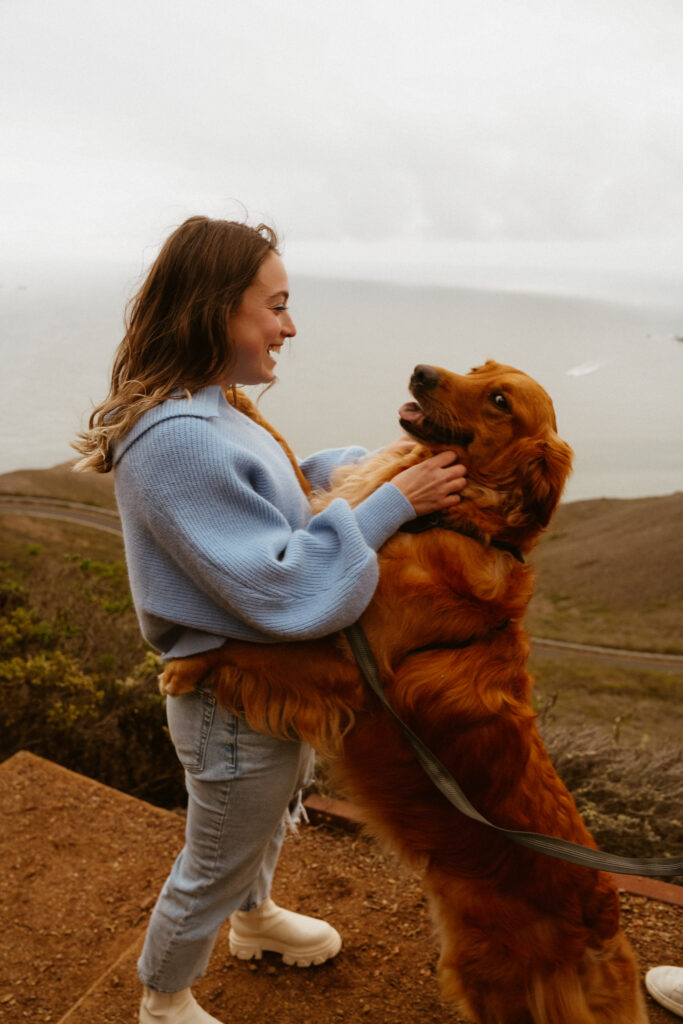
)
(425, 377)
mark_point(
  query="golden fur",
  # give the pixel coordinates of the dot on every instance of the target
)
(525, 939)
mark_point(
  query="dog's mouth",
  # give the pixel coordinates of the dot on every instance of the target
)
(413, 419)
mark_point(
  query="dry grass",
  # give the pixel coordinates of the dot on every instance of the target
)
(634, 706)
(631, 798)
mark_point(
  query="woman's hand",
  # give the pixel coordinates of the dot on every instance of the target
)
(433, 485)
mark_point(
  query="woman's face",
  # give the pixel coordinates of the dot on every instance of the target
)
(260, 325)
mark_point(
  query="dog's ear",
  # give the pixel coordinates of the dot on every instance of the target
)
(544, 470)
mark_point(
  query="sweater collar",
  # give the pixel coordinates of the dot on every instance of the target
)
(204, 404)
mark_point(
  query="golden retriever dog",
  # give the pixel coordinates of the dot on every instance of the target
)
(525, 939)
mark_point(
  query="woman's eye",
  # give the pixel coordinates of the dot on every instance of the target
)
(499, 400)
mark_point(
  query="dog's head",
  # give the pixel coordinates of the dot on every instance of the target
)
(502, 425)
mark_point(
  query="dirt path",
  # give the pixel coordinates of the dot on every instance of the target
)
(543, 647)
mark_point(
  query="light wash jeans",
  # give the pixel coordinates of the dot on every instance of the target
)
(243, 793)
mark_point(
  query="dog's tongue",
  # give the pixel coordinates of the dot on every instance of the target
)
(411, 413)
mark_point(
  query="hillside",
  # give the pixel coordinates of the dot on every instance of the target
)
(78, 686)
(62, 483)
(609, 571)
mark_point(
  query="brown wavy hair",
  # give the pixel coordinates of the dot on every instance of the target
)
(176, 336)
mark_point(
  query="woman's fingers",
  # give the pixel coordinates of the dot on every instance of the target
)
(433, 484)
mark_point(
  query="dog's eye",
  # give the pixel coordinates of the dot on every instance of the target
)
(499, 400)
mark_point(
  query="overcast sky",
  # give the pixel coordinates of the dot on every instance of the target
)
(414, 122)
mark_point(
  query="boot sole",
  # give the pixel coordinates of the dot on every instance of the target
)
(245, 950)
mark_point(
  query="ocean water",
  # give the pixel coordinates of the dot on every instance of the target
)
(613, 368)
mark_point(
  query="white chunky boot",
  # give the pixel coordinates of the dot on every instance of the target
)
(665, 984)
(176, 1008)
(301, 940)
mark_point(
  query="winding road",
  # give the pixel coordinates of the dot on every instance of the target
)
(108, 520)
(70, 511)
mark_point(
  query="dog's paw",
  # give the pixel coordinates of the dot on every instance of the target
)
(173, 681)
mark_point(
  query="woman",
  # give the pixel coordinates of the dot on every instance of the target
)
(220, 542)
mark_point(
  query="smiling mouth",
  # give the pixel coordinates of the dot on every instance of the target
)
(415, 422)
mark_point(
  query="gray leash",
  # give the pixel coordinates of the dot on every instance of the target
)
(551, 846)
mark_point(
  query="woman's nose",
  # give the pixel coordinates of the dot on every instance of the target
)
(289, 330)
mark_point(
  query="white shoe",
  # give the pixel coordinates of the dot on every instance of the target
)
(301, 940)
(175, 1008)
(665, 984)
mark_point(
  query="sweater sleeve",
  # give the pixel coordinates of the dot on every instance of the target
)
(214, 511)
(319, 467)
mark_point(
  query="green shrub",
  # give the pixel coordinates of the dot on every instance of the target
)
(62, 698)
(114, 732)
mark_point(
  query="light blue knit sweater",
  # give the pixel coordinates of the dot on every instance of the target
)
(219, 537)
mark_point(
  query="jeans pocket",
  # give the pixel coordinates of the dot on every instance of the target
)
(190, 718)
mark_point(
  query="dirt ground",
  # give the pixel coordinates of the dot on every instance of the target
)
(83, 865)
(386, 972)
